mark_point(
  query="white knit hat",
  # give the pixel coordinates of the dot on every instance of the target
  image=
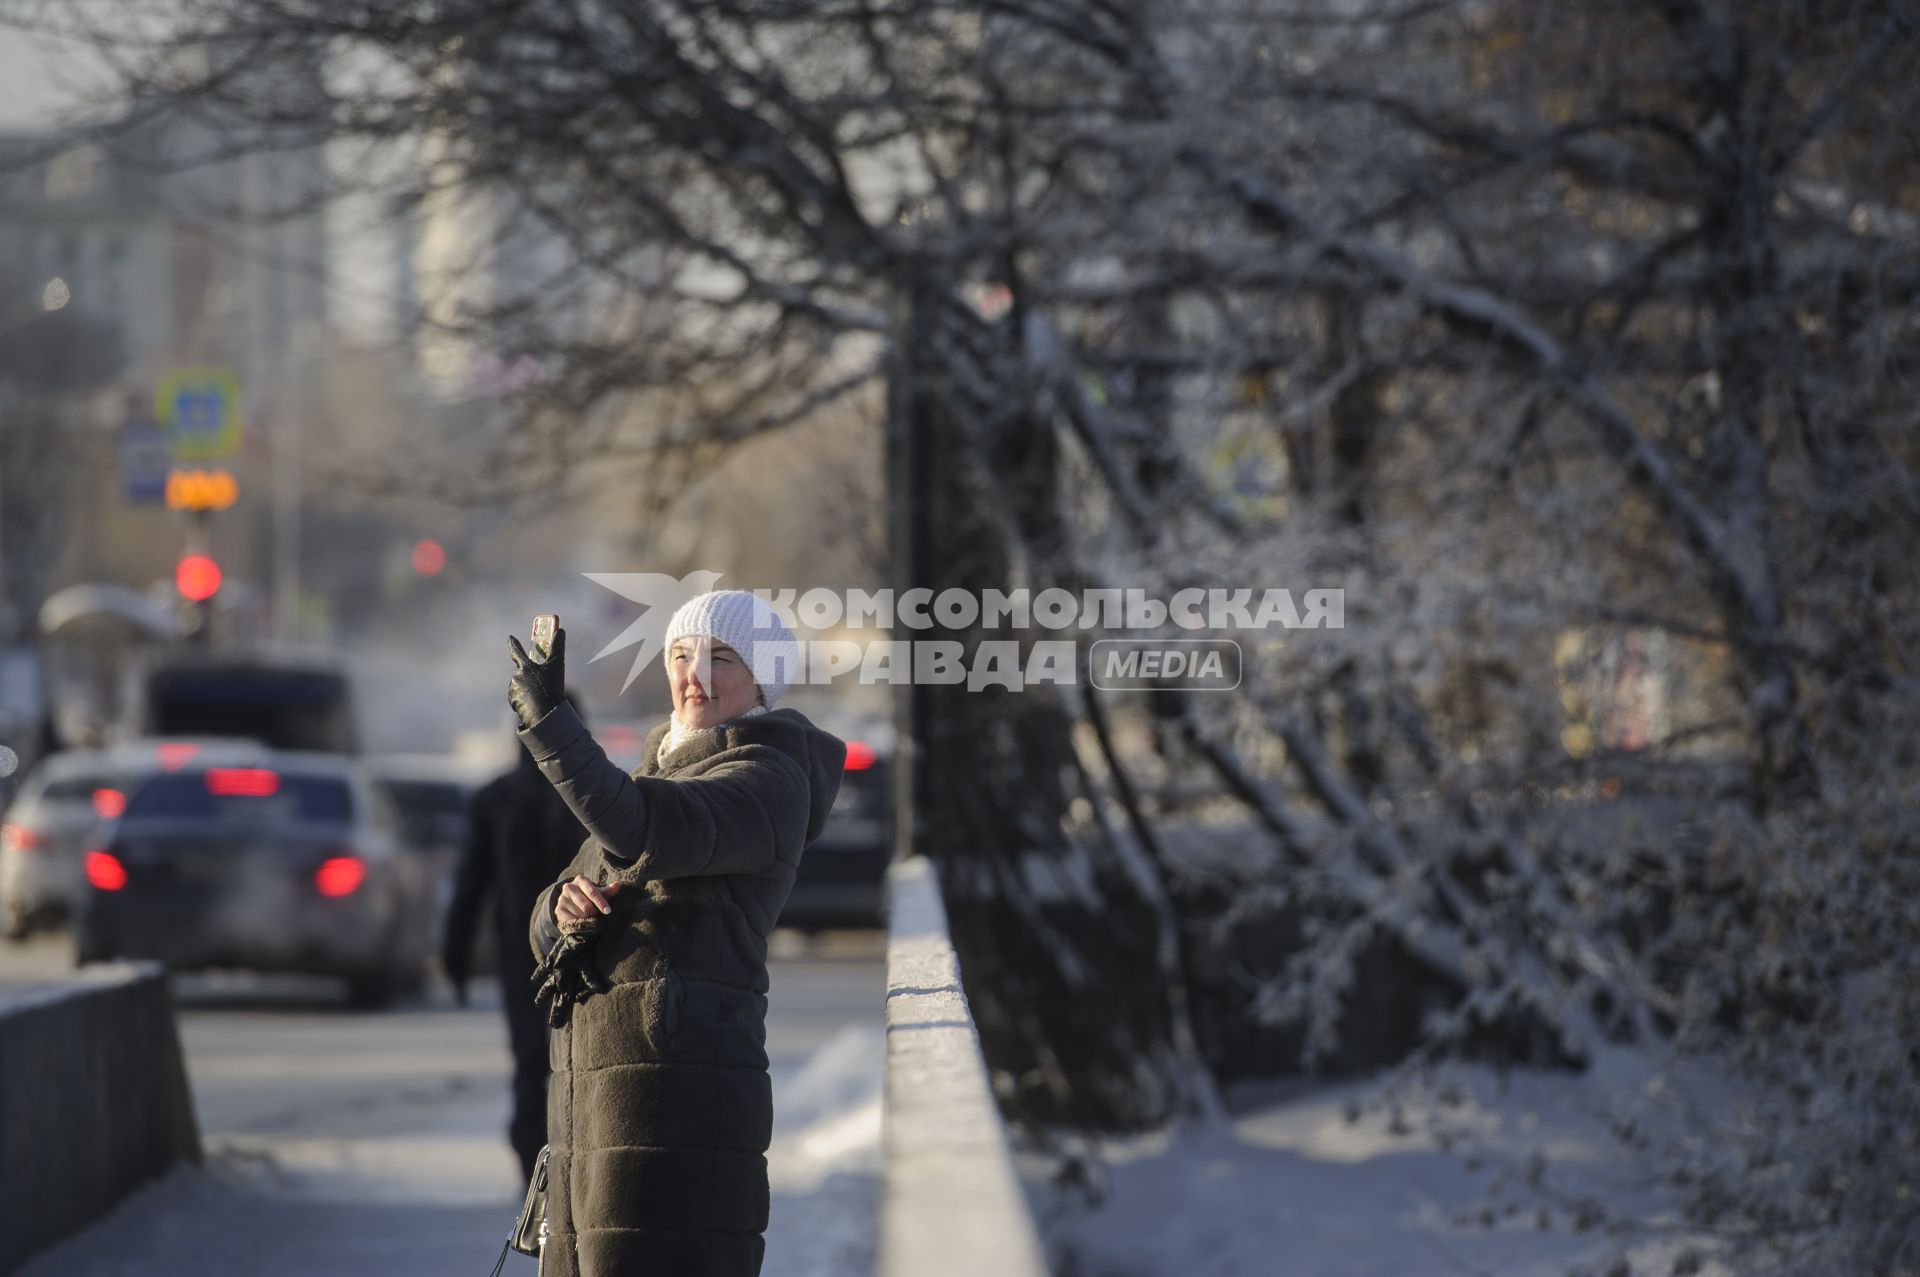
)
(748, 624)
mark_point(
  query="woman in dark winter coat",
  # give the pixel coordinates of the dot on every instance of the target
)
(660, 1108)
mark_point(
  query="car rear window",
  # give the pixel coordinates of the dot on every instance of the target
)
(242, 794)
(75, 789)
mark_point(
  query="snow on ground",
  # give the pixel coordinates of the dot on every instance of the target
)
(242, 1213)
(1315, 1181)
(389, 1158)
(824, 1166)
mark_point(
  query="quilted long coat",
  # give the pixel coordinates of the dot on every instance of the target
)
(660, 1108)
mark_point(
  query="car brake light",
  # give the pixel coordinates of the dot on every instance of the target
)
(18, 838)
(242, 782)
(859, 756)
(109, 803)
(105, 871)
(340, 875)
(174, 756)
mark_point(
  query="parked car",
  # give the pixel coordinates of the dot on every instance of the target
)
(57, 808)
(264, 860)
(843, 876)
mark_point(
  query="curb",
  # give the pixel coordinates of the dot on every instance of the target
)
(951, 1201)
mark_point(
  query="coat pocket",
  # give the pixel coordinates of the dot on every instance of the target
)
(665, 999)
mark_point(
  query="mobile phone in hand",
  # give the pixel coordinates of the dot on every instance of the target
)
(543, 627)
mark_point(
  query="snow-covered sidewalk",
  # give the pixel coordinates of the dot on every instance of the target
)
(406, 1172)
(824, 1166)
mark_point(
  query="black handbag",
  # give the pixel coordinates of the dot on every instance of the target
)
(530, 1229)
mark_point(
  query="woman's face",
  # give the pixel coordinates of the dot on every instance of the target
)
(710, 682)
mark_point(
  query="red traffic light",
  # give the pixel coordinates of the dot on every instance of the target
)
(428, 557)
(198, 577)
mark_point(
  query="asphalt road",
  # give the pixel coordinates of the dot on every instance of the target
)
(373, 1142)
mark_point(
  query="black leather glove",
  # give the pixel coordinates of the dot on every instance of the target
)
(537, 686)
(568, 973)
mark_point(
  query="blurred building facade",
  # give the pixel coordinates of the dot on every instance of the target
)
(173, 268)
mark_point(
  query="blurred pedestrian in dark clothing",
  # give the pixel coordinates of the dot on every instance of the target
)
(521, 835)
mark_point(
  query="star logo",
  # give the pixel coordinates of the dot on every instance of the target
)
(661, 595)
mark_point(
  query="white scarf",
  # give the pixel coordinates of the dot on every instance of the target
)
(678, 732)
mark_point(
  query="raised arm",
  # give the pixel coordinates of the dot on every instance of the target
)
(733, 819)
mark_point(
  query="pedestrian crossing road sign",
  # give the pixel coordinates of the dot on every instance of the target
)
(200, 409)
